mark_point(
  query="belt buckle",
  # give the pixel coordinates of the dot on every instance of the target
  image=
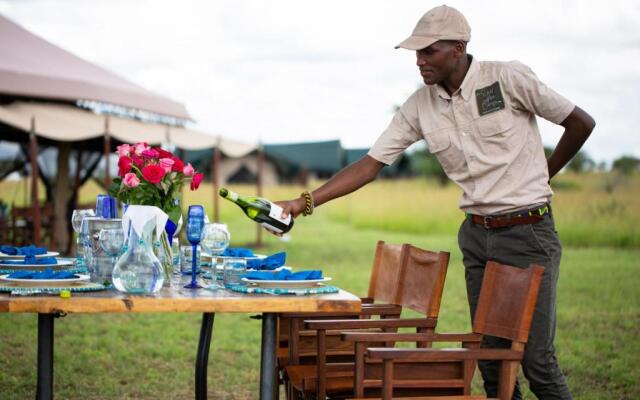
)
(486, 221)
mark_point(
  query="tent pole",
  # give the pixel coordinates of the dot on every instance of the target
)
(107, 153)
(259, 189)
(35, 204)
(215, 176)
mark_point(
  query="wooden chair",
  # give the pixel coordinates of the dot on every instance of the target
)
(383, 288)
(505, 309)
(420, 284)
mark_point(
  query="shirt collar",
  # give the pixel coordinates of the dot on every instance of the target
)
(466, 87)
(469, 79)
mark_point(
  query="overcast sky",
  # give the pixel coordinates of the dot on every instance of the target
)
(284, 71)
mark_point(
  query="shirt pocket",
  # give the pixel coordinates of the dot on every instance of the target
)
(495, 123)
(438, 140)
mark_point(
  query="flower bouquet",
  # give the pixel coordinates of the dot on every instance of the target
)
(152, 176)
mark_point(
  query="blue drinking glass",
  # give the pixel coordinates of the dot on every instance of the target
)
(195, 225)
(106, 206)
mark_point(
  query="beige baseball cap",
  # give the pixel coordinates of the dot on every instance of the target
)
(440, 23)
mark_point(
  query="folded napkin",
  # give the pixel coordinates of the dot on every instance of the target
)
(46, 274)
(268, 263)
(284, 275)
(30, 250)
(237, 252)
(31, 260)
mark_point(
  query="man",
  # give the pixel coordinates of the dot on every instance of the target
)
(479, 120)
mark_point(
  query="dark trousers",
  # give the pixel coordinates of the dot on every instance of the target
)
(519, 246)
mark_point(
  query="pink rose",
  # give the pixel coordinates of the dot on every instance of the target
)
(153, 173)
(150, 153)
(124, 150)
(188, 170)
(131, 180)
(166, 164)
(138, 148)
(195, 183)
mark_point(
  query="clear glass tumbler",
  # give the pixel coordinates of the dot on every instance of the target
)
(234, 269)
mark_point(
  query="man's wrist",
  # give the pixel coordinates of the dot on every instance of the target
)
(309, 204)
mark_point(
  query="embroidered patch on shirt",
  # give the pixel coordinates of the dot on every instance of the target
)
(489, 99)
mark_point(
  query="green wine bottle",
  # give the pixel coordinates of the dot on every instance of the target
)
(260, 210)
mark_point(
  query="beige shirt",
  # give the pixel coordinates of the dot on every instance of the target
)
(485, 135)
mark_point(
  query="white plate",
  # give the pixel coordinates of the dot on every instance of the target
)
(21, 257)
(255, 256)
(45, 282)
(220, 267)
(286, 284)
(35, 266)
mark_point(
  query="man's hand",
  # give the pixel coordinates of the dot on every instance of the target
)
(294, 207)
(289, 207)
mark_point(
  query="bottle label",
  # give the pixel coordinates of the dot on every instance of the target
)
(271, 227)
(276, 213)
(233, 196)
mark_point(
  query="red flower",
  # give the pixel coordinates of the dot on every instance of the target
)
(153, 173)
(137, 160)
(124, 166)
(195, 182)
(178, 165)
(162, 153)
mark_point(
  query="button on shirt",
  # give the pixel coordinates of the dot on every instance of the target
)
(485, 135)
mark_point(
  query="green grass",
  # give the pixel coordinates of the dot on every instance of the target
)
(152, 356)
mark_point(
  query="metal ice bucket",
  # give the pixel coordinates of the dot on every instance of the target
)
(99, 263)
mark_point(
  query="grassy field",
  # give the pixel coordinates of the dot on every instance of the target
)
(152, 356)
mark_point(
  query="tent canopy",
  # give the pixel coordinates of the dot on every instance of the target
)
(65, 123)
(324, 157)
(32, 67)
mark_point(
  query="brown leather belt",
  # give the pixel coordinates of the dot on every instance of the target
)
(532, 216)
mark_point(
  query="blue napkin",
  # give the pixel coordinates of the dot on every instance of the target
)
(46, 274)
(31, 260)
(284, 275)
(30, 250)
(268, 263)
(237, 252)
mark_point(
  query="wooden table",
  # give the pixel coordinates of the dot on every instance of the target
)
(168, 300)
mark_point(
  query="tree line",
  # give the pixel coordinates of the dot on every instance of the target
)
(424, 163)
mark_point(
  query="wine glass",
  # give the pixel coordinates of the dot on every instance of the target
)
(214, 240)
(111, 241)
(76, 223)
(195, 225)
(78, 215)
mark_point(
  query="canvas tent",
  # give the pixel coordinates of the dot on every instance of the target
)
(41, 86)
(32, 67)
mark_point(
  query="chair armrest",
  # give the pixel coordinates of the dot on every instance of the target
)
(366, 309)
(386, 353)
(410, 337)
(366, 300)
(371, 323)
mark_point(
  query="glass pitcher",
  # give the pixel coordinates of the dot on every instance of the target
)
(138, 270)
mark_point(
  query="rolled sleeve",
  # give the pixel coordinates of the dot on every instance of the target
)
(529, 93)
(400, 134)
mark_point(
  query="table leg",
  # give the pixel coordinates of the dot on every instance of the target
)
(202, 358)
(45, 357)
(268, 383)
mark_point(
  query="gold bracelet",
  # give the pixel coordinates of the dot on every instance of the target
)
(308, 203)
